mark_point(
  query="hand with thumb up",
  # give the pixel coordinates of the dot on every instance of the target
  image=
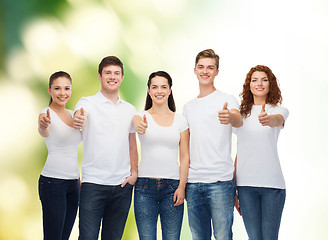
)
(79, 119)
(224, 114)
(44, 120)
(140, 124)
(263, 116)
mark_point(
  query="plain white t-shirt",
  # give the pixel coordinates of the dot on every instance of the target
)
(62, 144)
(106, 157)
(210, 141)
(159, 148)
(258, 163)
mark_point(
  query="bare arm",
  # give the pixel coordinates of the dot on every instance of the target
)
(44, 122)
(133, 161)
(180, 193)
(275, 120)
(237, 206)
(236, 118)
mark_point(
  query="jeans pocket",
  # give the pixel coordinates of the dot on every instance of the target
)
(174, 184)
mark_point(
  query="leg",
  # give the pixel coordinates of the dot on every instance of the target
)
(199, 215)
(116, 211)
(52, 194)
(273, 201)
(72, 203)
(220, 196)
(250, 206)
(171, 216)
(146, 208)
(92, 205)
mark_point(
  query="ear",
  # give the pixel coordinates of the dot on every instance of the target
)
(99, 77)
(195, 70)
(49, 91)
(217, 72)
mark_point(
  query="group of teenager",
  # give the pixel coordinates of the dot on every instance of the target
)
(200, 139)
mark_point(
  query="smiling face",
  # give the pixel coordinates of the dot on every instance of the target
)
(259, 85)
(159, 90)
(111, 78)
(206, 71)
(60, 91)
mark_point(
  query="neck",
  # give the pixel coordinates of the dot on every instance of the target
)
(159, 109)
(205, 90)
(259, 100)
(113, 96)
(57, 107)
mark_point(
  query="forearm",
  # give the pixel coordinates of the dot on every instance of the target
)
(43, 132)
(236, 118)
(276, 120)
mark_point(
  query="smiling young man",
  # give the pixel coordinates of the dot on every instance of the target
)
(110, 159)
(210, 189)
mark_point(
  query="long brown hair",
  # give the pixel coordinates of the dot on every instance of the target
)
(149, 101)
(247, 100)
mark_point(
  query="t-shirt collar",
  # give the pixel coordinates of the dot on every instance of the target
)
(102, 98)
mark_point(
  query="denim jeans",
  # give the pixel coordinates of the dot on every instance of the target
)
(261, 209)
(154, 197)
(211, 203)
(103, 203)
(59, 200)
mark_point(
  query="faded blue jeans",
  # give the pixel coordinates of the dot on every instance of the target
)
(261, 209)
(60, 200)
(154, 197)
(105, 205)
(211, 203)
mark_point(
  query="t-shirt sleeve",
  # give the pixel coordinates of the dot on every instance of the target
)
(183, 123)
(282, 111)
(82, 103)
(232, 103)
(44, 111)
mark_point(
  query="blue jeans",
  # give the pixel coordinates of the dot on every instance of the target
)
(154, 197)
(211, 202)
(103, 203)
(261, 209)
(59, 200)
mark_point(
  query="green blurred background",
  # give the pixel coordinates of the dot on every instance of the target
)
(40, 37)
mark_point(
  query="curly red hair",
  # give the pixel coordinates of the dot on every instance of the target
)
(274, 94)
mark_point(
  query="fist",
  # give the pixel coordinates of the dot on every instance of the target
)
(224, 114)
(263, 116)
(79, 119)
(140, 125)
(45, 120)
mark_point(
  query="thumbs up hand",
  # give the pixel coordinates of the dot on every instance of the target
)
(45, 120)
(79, 119)
(263, 116)
(225, 114)
(140, 124)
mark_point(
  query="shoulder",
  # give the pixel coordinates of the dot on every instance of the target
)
(129, 106)
(44, 110)
(278, 109)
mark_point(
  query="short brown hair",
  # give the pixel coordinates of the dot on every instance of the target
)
(110, 60)
(208, 53)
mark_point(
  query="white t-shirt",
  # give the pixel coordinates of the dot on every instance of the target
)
(258, 163)
(159, 148)
(106, 157)
(210, 141)
(62, 144)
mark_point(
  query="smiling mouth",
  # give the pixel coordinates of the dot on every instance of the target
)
(112, 83)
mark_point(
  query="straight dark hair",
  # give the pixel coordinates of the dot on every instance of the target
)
(149, 101)
(56, 75)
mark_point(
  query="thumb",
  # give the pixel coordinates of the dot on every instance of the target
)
(144, 119)
(225, 106)
(263, 108)
(48, 113)
(82, 111)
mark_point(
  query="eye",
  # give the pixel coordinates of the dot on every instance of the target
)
(68, 88)
(265, 80)
(253, 80)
